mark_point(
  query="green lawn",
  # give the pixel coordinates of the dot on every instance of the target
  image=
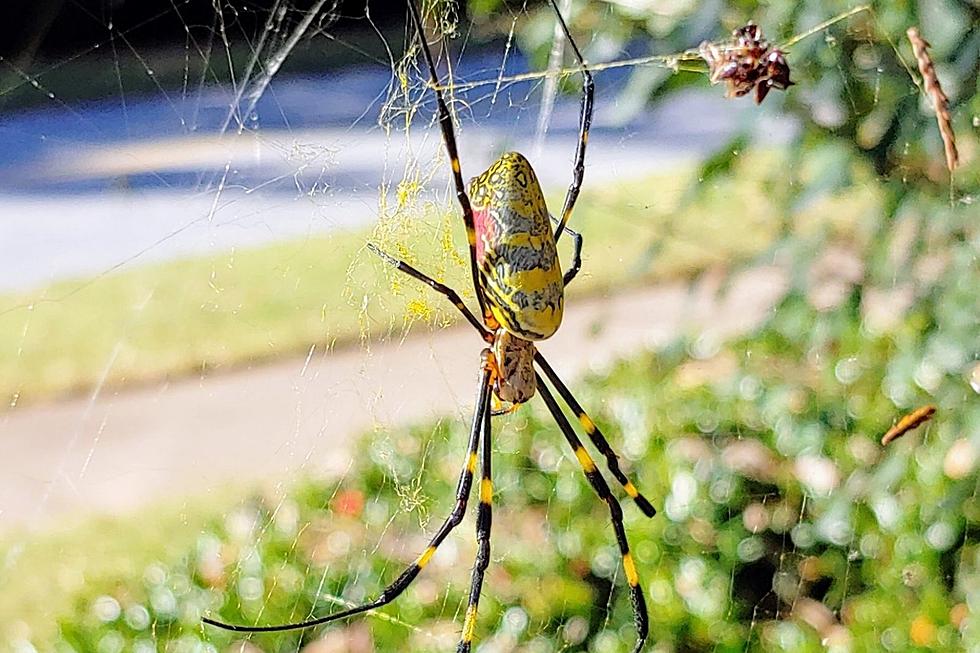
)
(205, 314)
(783, 525)
(782, 521)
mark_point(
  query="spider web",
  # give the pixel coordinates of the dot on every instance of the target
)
(233, 159)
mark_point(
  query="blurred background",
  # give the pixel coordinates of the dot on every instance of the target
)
(219, 402)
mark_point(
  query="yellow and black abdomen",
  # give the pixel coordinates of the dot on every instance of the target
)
(516, 250)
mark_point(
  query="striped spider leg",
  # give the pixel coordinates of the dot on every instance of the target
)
(519, 286)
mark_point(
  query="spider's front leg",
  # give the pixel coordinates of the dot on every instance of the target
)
(440, 288)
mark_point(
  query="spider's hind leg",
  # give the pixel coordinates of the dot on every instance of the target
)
(483, 523)
(595, 435)
(449, 140)
(395, 589)
(640, 616)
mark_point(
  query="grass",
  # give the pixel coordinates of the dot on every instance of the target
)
(50, 576)
(204, 314)
(784, 526)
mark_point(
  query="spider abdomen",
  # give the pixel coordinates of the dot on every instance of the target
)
(515, 249)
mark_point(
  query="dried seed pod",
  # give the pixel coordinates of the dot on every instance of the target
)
(909, 422)
(939, 100)
(746, 62)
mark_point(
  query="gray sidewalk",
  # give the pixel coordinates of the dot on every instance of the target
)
(115, 451)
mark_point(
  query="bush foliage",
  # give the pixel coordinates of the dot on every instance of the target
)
(784, 524)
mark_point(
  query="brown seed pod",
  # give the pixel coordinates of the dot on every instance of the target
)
(939, 100)
(909, 422)
(746, 62)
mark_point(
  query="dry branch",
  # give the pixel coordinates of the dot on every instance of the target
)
(909, 422)
(939, 100)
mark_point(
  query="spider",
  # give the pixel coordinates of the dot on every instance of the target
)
(519, 286)
(747, 63)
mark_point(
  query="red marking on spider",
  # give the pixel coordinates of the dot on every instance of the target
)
(485, 227)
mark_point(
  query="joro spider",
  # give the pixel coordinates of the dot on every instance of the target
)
(519, 285)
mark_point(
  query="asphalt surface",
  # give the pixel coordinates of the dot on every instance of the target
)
(101, 186)
(107, 185)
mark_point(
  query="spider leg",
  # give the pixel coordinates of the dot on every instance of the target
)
(585, 122)
(576, 253)
(505, 410)
(440, 288)
(483, 522)
(595, 435)
(449, 138)
(576, 257)
(392, 591)
(640, 616)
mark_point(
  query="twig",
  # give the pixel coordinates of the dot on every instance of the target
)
(935, 91)
(909, 422)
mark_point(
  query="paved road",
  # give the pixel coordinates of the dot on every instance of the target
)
(89, 188)
(105, 184)
(119, 449)
(332, 184)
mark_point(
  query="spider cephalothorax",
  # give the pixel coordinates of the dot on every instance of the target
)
(747, 62)
(514, 357)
